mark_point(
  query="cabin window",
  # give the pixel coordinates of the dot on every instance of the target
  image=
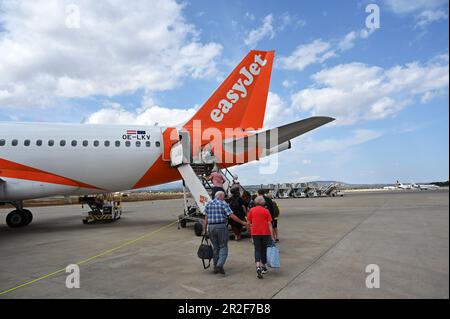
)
(74, 143)
(85, 143)
(14, 142)
(39, 143)
(26, 143)
(148, 144)
(117, 143)
(51, 142)
(107, 143)
(127, 143)
(138, 143)
(158, 144)
(96, 143)
(2, 142)
(62, 143)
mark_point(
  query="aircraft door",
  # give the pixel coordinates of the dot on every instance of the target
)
(170, 137)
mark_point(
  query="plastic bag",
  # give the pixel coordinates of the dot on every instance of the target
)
(273, 256)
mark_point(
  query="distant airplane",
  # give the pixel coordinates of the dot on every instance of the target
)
(40, 160)
(424, 186)
(403, 186)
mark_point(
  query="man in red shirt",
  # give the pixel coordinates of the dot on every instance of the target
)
(260, 221)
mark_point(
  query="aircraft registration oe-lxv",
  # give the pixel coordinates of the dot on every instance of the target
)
(45, 159)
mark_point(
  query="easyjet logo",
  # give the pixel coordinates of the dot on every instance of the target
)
(239, 88)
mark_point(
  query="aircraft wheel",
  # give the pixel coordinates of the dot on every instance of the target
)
(16, 218)
(183, 223)
(29, 216)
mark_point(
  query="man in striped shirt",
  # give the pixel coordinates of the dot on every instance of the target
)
(217, 213)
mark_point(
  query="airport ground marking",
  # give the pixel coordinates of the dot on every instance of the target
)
(84, 261)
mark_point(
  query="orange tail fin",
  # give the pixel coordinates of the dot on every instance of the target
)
(240, 101)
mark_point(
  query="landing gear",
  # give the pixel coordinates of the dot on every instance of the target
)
(19, 217)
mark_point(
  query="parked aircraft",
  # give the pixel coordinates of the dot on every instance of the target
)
(403, 186)
(424, 186)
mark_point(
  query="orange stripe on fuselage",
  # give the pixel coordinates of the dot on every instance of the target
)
(159, 173)
(15, 170)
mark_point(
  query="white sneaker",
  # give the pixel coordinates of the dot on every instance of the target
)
(259, 273)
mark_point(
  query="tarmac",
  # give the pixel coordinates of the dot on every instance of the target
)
(325, 247)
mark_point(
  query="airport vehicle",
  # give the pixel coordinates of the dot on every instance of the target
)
(45, 159)
(333, 190)
(284, 190)
(303, 190)
(104, 207)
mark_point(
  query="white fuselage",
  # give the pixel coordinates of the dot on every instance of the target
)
(79, 152)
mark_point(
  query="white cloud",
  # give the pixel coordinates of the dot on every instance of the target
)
(288, 83)
(319, 50)
(278, 112)
(307, 54)
(429, 16)
(288, 19)
(265, 30)
(355, 91)
(348, 41)
(148, 115)
(410, 6)
(425, 11)
(119, 48)
(268, 28)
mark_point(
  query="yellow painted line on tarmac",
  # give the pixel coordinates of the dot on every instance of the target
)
(84, 261)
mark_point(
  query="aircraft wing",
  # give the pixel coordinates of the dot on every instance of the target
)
(276, 136)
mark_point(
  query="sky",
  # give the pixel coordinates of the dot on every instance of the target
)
(157, 62)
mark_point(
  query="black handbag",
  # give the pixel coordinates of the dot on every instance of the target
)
(205, 251)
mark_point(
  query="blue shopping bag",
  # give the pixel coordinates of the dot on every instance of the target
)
(273, 255)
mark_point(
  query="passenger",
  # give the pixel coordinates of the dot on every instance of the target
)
(247, 197)
(259, 220)
(252, 201)
(217, 212)
(237, 205)
(217, 180)
(235, 184)
(276, 216)
(268, 201)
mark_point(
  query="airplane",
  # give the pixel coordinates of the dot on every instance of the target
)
(47, 159)
(424, 186)
(403, 186)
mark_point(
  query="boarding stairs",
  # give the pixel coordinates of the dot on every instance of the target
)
(194, 170)
(284, 190)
